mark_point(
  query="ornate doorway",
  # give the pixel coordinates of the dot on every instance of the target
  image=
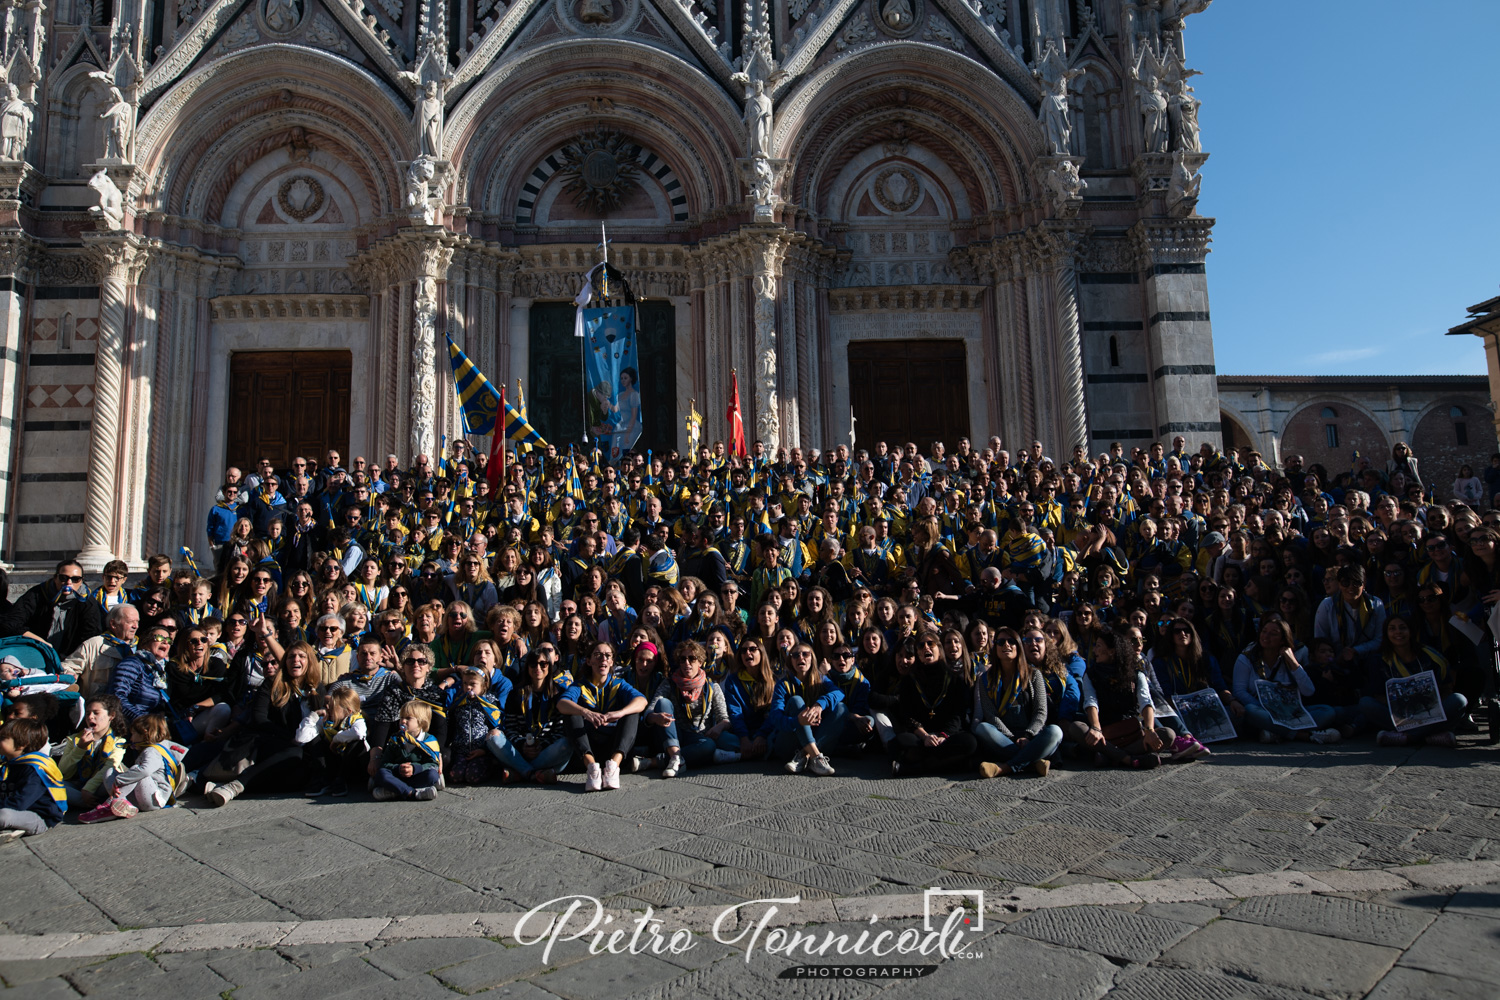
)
(287, 403)
(909, 390)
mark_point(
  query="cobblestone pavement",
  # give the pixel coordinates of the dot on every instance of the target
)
(1264, 872)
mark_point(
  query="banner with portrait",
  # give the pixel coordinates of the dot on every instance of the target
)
(612, 379)
(1414, 701)
(1202, 714)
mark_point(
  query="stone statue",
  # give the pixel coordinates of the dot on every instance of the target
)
(1153, 104)
(897, 14)
(428, 117)
(1065, 184)
(15, 124)
(762, 182)
(118, 118)
(1183, 188)
(419, 191)
(1182, 110)
(283, 15)
(110, 212)
(759, 116)
(1056, 123)
(596, 11)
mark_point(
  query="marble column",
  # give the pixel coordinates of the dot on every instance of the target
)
(15, 249)
(433, 258)
(117, 256)
(1179, 333)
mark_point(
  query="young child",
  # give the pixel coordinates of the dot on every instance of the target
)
(17, 680)
(152, 783)
(411, 762)
(40, 707)
(338, 752)
(197, 608)
(32, 799)
(93, 750)
(474, 716)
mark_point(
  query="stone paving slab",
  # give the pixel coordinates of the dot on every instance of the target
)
(1335, 916)
(1323, 966)
(1108, 932)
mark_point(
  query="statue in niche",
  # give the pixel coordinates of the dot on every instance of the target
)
(1153, 109)
(15, 124)
(118, 119)
(110, 212)
(763, 181)
(897, 14)
(596, 11)
(419, 191)
(759, 115)
(1183, 111)
(428, 117)
(283, 15)
(298, 147)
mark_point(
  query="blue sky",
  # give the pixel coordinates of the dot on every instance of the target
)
(1353, 149)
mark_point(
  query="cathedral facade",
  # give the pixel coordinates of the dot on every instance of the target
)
(241, 228)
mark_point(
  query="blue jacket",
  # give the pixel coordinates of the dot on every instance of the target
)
(745, 720)
(830, 697)
(221, 522)
(855, 688)
(134, 683)
(22, 788)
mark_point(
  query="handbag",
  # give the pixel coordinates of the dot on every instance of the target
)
(183, 730)
(1124, 733)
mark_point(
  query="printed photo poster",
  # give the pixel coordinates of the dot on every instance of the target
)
(612, 377)
(1283, 702)
(1414, 701)
(1204, 715)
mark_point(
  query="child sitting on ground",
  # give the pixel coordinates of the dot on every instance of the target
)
(32, 799)
(92, 751)
(474, 716)
(42, 707)
(335, 737)
(154, 780)
(411, 762)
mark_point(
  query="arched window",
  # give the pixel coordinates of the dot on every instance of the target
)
(1460, 425)
(1114, 352)
(1331, 430)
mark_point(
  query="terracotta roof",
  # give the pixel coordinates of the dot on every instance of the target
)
(1412, 380)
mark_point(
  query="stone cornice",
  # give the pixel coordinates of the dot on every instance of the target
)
(1173, 241)
(930, 298)
(290, 307)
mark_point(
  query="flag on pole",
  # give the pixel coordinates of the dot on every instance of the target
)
(736, 421)
(694, 429)
(575, 485)
(494, 469)
(480, 402)
(524, 447)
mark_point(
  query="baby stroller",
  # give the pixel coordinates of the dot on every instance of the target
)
(35, 655)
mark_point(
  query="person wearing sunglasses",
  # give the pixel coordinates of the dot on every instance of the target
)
(57, 611)
(383, 710)
(140, 681)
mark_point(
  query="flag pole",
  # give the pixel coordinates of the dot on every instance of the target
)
(499, 432)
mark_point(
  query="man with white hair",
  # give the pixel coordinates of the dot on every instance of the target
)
(94, 662)
(830, 573)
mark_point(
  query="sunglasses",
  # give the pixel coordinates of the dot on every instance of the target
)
(415, 662)
(198, 641)
(70, 579)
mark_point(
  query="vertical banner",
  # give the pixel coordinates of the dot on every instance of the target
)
(613, 379)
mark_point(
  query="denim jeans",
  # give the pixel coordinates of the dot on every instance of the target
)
(697, 748)
(1257, 719)
(1377, 714)
(405, 788)
(554, 757)
(826, 734)
(996, 746)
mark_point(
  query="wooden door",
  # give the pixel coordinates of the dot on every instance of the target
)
(909, 390)
(287, 403)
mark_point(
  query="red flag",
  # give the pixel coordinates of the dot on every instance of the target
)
(736, 422)
(494, 470)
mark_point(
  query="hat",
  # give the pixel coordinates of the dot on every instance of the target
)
(13, 662)
(1213, 538)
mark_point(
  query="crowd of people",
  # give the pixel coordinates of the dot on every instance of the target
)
(389, 630)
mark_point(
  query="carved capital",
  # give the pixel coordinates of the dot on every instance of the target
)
(1173, 241)
(116, 256)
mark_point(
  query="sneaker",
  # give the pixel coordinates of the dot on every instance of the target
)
(1266, 736)
(675, 766)
(797, 763)
(895, 769)
(1184, 749)
(122, 807)
(820, 765)
(1446, 740)
(611, 775)
(1146, 761)
(425, 794)
(726, 757)
(1326, 736)
(6, 836)
(383, 794)
(1042, 767)
(593, 778)
(988, 769)
(442, 783)
(225, 793)
(316, 789)
(338, 789)
(1391, 738)
(1465, 724)
(635, 765)
(98, 814)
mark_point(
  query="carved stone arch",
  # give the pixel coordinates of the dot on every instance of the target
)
(660, 101)
(983, 120)
(74, 136)
(1247, 428)
(247, 98)
(654, 173)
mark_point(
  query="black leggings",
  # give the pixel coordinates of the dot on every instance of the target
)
(282, 771)
(917, 757)
(600, 742)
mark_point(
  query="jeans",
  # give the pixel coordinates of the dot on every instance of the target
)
(698, 748)
(1377, 714)
(22, 819)
(826, 733)
(406, 788)
(996, 746)
(554, 757)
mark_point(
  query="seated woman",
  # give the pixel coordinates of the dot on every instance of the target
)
(1272, 659)
(748, 693)
(690, 709)
(805, 707)
(1401, 655)
(534, 744)
(1010, 709)
(198, 683)
(276, 713)
(931, 715)
(603, 714)
(1117, 706)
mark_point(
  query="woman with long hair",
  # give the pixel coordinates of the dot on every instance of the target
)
(471, 582)
(748, 693)
(1273, 660)
(1010, 710)
(1117, 706)
(931, 717)
(276, 712)
(1403, 655)
(804, 708)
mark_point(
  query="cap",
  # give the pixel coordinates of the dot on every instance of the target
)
(1213, 538)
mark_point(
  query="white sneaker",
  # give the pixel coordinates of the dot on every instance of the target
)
(675, 766)
(726, 757)
(820, 765)
(797, 763)
(1326, 736)
(1268, 737)
(611, 774)
(383, 794)
(593, 780)
(225, 793)
(7, 836)
(425, 794)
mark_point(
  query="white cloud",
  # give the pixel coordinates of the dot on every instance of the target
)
(1346, 354)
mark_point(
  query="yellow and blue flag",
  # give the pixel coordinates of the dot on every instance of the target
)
(575, 485)
(524, 447)
(479, 402)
